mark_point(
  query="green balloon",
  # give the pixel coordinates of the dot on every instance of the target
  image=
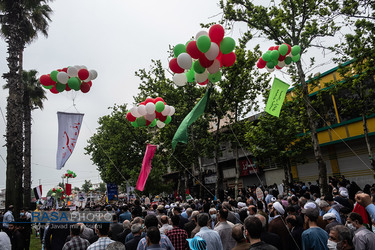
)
(198, 68)
(267, 56)
(135, 124)
(288, 60)
(141, 121)
(215, 77)
(159, 106)
(283, 49)
(274, 55)
(153, 123)
(227, 45)
(203, 43)
(47, 87)
(296, 49)
(74, 83)
(54, 75)
(60, 87)
(271, 64)
(190, 75)
(168, 120)
(296, 58)
(178, 49)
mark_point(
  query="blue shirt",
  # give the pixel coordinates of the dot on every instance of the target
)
(314, 238)
(125, 216)
(8, 217)
(338, 218)
(371, 210)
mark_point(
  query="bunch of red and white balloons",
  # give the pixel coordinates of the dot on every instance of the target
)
(200, 60)
(279, 56)
(151, 112)
(76, 77)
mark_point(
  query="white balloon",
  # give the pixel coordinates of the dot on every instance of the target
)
(150, 117)
(180, 79)
(72, 71)
(160, 124)
(93, 74)
(78, 67)
(184, 60)
(62, 77)
(201, 33)
(142, 110)
(83, 67)
(171, 112)
(150, 108)
(134, 112)
(213, 52)
(166, 110)
(281, 64)
(215, 67)
(270, 70)
(201, 77)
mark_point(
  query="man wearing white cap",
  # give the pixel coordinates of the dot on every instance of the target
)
(330, 218)
(278, 225)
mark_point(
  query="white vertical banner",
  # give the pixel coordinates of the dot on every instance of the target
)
(69, 127)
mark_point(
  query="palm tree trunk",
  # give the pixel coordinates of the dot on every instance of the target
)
(14, 132)
(27, 151)
(314, 136)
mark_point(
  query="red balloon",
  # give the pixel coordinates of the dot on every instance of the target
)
(162, 118)
(67, 88)
(130, 117)
(142, 103)
(289, 48)
(205, 62)
(65, 70)
(203, 83)
(276, 47)
(271, 48)
(83, 74)
(216, 33)
(173, 65)
(157, 99)
(85, 87)
(193, 50)
(66, 174)
(89, 83)
(158, 114)
(53, 190)
(282, 58)
(54, 90)
(148, 122)
(45, 80)
(228, 59)
(70, 175)
(277, 67)
(149, 100)
(261, 63)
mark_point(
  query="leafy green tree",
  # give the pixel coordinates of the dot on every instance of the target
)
(86, 186)
(294, 22)
(102, 187)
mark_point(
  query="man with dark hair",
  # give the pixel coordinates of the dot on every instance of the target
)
(363, 238)
(238, 236)
(340, 237)
(152, 221)
(253, 231)
(211, 237)
(115, 228)
(268, 237)
(224, 229)
(136, 230)
(102, 230)
(125, 215)
(76, 242)
(295, 232)
(137, 210)
(177, 235)
(314, 237)
(16, 238)
(153, 238)
(183, 220)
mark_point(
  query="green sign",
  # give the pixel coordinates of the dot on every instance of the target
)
(276, 97)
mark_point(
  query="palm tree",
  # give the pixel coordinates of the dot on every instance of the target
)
(33, 97)
(20, 22)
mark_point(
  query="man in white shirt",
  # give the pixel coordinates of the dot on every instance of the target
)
(211, 237)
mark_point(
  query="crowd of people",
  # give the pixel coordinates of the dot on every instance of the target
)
(299, 218)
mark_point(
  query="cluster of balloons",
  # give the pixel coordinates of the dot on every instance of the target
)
(69, 174)
(57, 191)
(151, 112)
(200, 60)
(279, 56)
(74, 77)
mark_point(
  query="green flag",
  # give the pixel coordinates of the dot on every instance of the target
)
(181, 134)
(276, 97)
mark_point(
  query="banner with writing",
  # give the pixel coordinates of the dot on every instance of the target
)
(276, 97)
(69, 127)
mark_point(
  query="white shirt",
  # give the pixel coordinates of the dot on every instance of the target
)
(5, 242)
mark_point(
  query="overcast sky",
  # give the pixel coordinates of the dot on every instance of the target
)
(116, 38)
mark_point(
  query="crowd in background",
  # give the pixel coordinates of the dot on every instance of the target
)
(298, 218)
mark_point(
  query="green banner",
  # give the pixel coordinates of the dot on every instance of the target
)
(276, 97)
(181, 134)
